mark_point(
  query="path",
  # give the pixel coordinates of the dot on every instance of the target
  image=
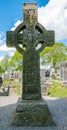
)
(58, 108)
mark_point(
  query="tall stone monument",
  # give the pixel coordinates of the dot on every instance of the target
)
(31, 109)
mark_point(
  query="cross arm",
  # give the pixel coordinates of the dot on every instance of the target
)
(10, 38)
(50, 38)
(13, 38)
(46, 39)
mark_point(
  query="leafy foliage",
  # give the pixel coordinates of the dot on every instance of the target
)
(55, 54)
(4, 64)
(16, 61)
(1, 69)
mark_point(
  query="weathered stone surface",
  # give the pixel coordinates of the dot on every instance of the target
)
(30, 13)
(63, 71)
(32, 113)
(30, 34)
(31, 110)
(31, 75)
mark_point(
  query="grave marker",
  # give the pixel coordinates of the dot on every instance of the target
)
(29, 35)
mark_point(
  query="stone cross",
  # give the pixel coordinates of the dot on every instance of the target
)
(30, 38)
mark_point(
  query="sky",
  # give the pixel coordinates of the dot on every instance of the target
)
(52, 14)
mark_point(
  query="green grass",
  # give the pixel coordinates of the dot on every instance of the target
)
(17, 90)
(56, 84)
(57, 90)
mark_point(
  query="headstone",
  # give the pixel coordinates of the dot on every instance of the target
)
(5, 75)
(31, 109)
(45, 80)
(44, 89)
(47, 73)
(63, 73)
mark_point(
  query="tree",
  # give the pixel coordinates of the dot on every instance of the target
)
(1, 70)
(16, 61)
(55, 54)
(4, 64)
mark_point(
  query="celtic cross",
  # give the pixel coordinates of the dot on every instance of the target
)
(30, 38)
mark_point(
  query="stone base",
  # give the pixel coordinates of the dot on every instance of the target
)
(32, 113)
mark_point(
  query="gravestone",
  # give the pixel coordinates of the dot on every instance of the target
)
(45, 80)
(31, 109)
(47, 73)
(63, 73)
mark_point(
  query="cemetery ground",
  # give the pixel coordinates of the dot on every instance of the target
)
(54, 89)
(57, 89)
(56, 100)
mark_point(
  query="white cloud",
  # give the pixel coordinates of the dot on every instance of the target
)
(1, 57)
(10, 51)
(2, 38)
(5, 48)
(15, 25)
(54, 16)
